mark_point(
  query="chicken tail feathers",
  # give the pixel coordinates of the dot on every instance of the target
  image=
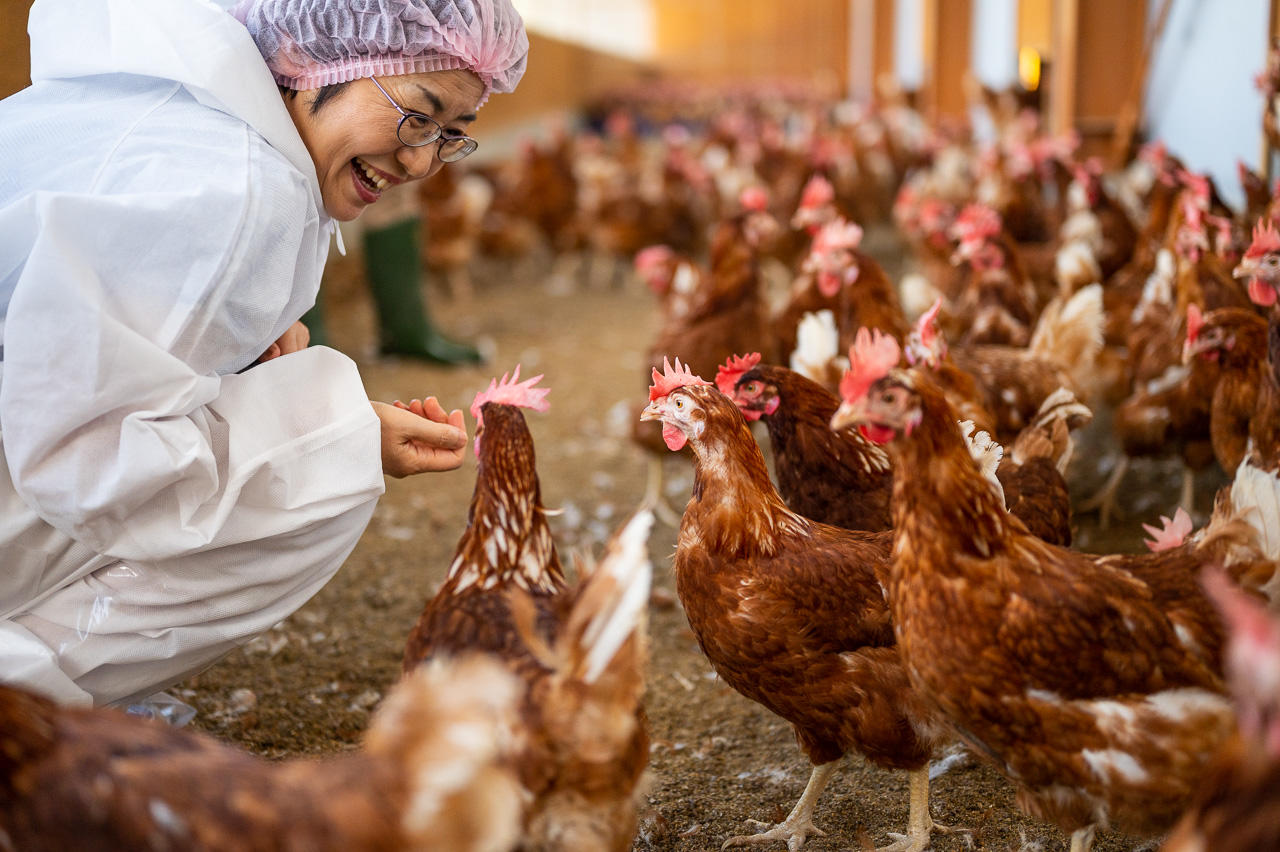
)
(1070, 332)
(453, 722)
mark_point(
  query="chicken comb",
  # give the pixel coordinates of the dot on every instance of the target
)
(1195, 322)
(1265, 239)
(927, 326)
(510, 391)
(817, 191)
(671, 378)
(977, 222)
(1171, 533)
(836, 235)
(871, 357)
(728, 373)
(754, 198)
(651, 257)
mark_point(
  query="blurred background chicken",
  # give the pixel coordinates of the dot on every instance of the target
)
(434, 773)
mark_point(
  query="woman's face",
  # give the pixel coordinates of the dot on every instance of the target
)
(352, 137)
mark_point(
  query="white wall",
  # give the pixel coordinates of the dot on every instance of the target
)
(908, 43)
(1200, 96)
(621, 27)
(995, 42)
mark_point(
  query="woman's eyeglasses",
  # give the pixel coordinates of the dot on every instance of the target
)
(416, 130)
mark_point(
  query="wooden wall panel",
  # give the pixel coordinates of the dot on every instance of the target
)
(15, 48)
(948, 25)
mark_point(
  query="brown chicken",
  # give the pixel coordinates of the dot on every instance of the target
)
(1092, 682)
(1032, 473)
(790, 612)
(586, 744)
(723, 313)
(836, 276)
(841, 478)
(1001, 388)
(997, 300)
(1235, 808)
(1229, 347)
(432, 774)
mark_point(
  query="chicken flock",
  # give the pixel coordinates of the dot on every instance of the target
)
(886, 562)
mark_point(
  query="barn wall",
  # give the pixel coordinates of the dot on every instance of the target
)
(1200, 97)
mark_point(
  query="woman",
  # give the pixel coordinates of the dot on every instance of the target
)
(179, 471)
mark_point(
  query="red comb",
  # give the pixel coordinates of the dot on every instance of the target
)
(510, 391)
(1265, 239)
(817, 191)
(754, 198)
(652, 256)
(671, 378)
(1171, 533)
(1195, 322)
(927, 325)
(730, 370)
(871, 357)
(977, 222)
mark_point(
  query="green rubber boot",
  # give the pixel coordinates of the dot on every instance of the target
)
(314, 321)
(393, 264)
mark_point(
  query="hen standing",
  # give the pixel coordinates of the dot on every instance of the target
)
(578, 650)
(986, 613)
(834, 478)
(791, 613)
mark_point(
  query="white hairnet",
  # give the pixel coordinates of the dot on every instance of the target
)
(314, 43)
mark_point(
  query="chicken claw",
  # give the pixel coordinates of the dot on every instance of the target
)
(920, 825)
(799, 823)
(793, 830)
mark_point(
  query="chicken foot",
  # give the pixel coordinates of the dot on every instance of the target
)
(799, 823)
(655, 499)
(920, 824)
(1082, 838)
(1105, 500)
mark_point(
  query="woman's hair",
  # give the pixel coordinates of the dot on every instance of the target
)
(324, 94)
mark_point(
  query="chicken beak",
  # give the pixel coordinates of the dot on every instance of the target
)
(849, 414)
(1247, 268)
(653, 411)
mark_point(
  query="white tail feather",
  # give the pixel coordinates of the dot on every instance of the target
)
(986, 452)
(1255, 497)
(627, 565)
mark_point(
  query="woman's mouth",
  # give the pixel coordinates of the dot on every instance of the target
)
(369, 184)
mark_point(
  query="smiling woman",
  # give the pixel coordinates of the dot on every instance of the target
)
(202, 486)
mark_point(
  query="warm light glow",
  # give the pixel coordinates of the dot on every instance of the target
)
(1029, 68)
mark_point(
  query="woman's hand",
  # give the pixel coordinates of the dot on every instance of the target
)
(420, 437)
(295, 338)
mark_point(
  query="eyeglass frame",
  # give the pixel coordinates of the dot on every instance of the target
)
(436, 137)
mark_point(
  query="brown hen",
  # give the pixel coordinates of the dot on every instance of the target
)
(790, 612)
(586, 744)
(433, 774)
(987, 614)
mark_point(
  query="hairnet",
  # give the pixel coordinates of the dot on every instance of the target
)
(312, 43)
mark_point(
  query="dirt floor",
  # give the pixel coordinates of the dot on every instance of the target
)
(718, 760)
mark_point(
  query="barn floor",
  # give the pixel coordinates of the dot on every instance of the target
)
(718, 759)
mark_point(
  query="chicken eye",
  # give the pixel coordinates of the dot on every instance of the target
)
(679, 403)
(752, 388)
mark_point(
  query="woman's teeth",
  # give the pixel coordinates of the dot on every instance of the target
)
(374, 179)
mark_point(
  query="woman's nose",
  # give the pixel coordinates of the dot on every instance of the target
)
(420, 162)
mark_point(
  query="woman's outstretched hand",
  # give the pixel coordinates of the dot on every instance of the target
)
(420, 436)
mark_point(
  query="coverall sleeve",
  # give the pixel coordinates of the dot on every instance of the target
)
(124, 421)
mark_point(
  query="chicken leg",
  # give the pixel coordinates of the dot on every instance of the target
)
(920, 824)
(799, 823)
(1082, 838)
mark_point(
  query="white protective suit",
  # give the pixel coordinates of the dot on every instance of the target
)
(160, 226)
